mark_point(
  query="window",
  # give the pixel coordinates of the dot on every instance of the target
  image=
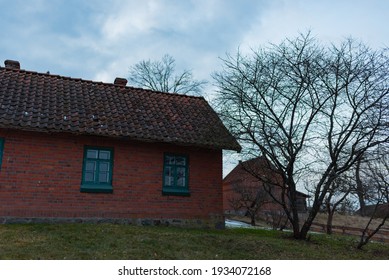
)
(1, 150)
(175, 175)
(97, 170)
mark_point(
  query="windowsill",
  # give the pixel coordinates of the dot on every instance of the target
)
(96, 189)
(175, 191)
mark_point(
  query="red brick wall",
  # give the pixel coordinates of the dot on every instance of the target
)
(41, 175)
(241, 179)
(229, 194)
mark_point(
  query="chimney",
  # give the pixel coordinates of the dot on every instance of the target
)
(12, 64)
(120, 82)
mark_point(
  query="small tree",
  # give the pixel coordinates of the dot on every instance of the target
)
(277, 219)
(337, 194)
(377, 176)
(249, 200)
(160, 76)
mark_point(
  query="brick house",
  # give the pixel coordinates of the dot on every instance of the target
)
(77, 150)
(244, 178)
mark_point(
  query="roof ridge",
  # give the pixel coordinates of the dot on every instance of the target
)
(98, 82)
(50, 75)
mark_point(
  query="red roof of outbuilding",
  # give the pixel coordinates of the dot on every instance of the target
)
(252, 169)
(50, 103)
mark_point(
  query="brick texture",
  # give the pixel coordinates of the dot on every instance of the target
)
(41, 174)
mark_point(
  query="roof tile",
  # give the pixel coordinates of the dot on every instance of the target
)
(52, 103)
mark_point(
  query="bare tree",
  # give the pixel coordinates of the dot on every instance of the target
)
(377, 177)
(160, 76)
(311, 110)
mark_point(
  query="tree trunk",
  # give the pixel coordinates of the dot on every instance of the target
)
(330, 213)
(252, 219)
(291, 201)
(307, 224)
(360, 190)
(296, 229)
(304, 231)
(329, 221)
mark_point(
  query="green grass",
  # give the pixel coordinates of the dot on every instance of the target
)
(108, 241)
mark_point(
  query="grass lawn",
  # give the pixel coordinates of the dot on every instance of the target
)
(108, 241)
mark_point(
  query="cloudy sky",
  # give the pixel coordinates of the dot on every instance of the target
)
(99, 40)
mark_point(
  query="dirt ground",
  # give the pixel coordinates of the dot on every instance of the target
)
(349, 220)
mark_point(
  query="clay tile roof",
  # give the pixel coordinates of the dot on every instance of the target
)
(50, 103)
(244, 170)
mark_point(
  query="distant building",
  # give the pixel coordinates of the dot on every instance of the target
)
(379, 211)
(246, 175)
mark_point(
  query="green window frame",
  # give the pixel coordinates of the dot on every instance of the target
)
(1, 151)
(97, 170)
(175, 175)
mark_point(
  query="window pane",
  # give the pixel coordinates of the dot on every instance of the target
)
(181, 161)
(92, 153)
(89, 176)
(103, 177)
(170, 160)
(104, 166)
(104, 155)
(169, 178)
(90, 166)
(181, 178)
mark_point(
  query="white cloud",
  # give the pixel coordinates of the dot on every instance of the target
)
(195, 33)
(128, 19)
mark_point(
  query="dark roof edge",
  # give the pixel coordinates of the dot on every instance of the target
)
(117, 137)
